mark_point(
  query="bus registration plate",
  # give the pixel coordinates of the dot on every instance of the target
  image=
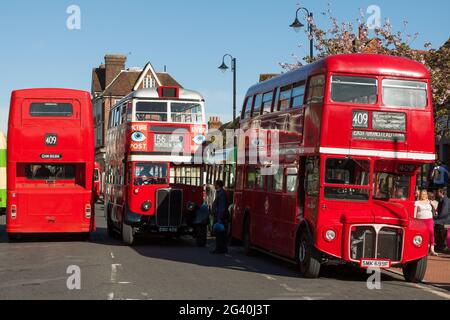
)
(373, 263)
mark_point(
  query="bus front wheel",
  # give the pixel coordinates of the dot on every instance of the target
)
(307, 258)
(128, 234)
(415, 271)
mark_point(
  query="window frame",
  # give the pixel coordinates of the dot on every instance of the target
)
(353, 75)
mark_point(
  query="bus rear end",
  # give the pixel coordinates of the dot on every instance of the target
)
(51, 162)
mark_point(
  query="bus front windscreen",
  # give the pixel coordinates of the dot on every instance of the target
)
(350, 177)
(150, 174)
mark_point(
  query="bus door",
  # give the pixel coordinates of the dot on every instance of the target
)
(312, 188)
(287, 216)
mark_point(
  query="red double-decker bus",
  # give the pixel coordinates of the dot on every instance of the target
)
(50, 162)
(354, 131)
(152, 183)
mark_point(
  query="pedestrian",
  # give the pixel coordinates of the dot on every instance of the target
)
(424, 211)
(220, 211)
(440, 175)
(442, 220)
(433, 201)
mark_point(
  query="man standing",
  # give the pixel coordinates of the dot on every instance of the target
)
(220, 210)
(442, 219)
(440, 175)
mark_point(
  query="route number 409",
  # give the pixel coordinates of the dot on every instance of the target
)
(51, 140)
(360, 119)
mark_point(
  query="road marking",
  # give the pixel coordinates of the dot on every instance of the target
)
(112, 255)
(430, 290)
(285, 286)
(111, 296)
(269, 278)
(114, 268)
(423, 287)
(124, 283)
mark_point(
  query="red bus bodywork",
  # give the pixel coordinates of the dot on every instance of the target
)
(141, 138)
(50, 162)
(392, 142)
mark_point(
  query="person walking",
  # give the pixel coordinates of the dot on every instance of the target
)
(424, 211)
(220, 211)
(442, 219)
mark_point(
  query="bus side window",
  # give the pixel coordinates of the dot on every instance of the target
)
(291, 180)
(316, 89)
(251, 178)
(312, 177)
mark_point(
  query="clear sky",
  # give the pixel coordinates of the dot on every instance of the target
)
(190, 37)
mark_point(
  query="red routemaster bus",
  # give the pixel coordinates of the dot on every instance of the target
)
(50, 162)
(152, 184)
(354, 131)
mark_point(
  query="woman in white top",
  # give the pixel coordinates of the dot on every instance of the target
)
(424, 212)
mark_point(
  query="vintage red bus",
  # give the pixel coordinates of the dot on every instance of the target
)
(50, 162)
(152, 182)
(354, 131)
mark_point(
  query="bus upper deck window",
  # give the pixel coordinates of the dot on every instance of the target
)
(151, 111)
(402, 93)
(51, 110)
(354, 89)
(186, 112)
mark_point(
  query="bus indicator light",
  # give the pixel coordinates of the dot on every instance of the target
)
(88, 211)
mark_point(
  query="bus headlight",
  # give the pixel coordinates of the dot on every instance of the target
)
(191, 206)
(418, 241)
(330, 235)
(146, 206)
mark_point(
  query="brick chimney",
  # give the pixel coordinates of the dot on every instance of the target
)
(114, 64)
(214, 123)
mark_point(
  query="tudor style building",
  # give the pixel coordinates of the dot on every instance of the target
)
(111, 81)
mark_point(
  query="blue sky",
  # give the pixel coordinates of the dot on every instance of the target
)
(190, 37)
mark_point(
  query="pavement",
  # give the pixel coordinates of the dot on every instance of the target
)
(161, 269)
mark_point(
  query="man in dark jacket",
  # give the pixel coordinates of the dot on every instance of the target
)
(442, 219)
(220, 210)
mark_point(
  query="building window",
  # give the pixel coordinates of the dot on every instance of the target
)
(149, 82)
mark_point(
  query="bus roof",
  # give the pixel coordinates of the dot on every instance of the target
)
(368, 64)
(152, 93)
(49, 93)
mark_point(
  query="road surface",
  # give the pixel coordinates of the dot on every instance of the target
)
(157, 268)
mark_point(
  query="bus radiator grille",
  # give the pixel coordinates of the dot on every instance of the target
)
(368, 242)
(169, 208)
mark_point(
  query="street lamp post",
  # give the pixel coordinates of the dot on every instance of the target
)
(297, 25)
(223, 67)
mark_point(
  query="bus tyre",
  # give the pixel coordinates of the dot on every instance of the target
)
(202, 236)
(246, 239)
(128, 234)
(109, 226)
(307, 258)
(414, 271)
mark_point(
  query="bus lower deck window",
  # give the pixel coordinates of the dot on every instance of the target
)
(49, 172)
